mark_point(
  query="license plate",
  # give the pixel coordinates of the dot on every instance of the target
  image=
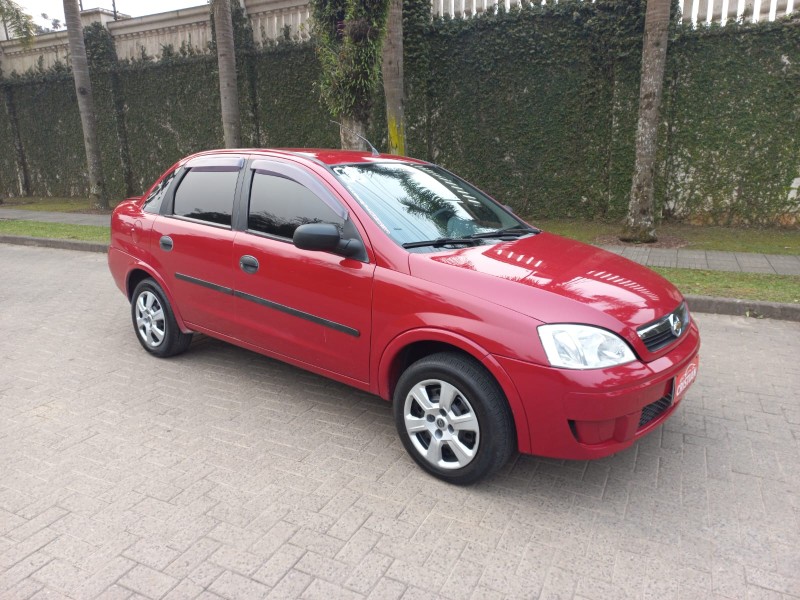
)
(686, 378)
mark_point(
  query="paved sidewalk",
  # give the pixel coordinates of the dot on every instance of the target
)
(224, 475)
(746, 262)
(776, 264)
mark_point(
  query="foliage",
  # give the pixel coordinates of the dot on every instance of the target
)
(17, 21)
(100, 51)
(349, 35)
(732, 144)
(536, 105)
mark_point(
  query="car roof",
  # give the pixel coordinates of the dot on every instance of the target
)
(320, 155)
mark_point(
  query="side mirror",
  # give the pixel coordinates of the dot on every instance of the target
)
(325, 237)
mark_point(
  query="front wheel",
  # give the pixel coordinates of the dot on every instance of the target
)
(453, 418)
(154, 321)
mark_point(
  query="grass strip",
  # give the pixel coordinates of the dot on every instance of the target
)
(62, 231)
(726, 284)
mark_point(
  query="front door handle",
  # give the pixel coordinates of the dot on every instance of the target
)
(248, 264)
(165, 243)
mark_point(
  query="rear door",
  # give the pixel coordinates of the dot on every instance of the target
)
(193, 241)
(314, 307)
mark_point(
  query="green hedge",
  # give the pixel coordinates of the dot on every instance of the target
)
(9, 176)
(732, 147)
(50, 128)
(538, 106)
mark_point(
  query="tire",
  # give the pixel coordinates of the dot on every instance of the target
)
(453, 418)
(154, 322)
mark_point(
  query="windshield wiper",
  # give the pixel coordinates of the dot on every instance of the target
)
(444, 241)
(515, 231)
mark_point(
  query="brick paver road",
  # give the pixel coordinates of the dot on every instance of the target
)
(222, 474)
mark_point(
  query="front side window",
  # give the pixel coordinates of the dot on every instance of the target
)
(279, 205)
(207, 195)
(416, 202)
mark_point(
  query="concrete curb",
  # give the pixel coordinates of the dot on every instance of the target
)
(744, 308)
(21, 240)
(701, 304)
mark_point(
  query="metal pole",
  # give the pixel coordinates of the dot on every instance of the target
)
(114, 7)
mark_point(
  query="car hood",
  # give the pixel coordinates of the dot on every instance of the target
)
(554, 280)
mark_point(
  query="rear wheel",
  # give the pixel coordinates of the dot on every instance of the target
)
(154, 321)
(453, 418)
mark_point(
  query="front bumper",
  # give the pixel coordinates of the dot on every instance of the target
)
(576, 414)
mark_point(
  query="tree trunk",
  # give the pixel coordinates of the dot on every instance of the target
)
(639, 224)
(393, 78)
(23, 174)
(228, 90)
(350, 127)
(83, 89)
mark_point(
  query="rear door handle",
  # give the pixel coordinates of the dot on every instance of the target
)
(248, 264)
(165, 243)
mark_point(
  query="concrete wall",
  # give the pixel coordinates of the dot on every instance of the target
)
(190, 27)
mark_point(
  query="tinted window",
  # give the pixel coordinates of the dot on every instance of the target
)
(278, 206)
(207, 195)
(153, 202)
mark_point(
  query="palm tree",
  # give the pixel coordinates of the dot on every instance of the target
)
(16, 23)
(226, 58)
(640, 224)
(83, 90)
(393, 78)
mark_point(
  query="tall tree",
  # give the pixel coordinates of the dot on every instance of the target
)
(393, 86)
(16, 23)
(350, 35)
(226, 58)
(640, 223)
(83, 90)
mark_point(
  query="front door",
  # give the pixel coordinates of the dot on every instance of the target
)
(314, 307)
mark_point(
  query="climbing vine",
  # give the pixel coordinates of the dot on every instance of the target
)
(536, 105)
(349, 34)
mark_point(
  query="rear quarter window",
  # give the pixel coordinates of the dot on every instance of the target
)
(156, 197)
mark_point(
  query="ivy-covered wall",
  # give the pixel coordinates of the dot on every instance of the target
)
(732, 144)
(537, 106)
(50, 129)
(9, 172)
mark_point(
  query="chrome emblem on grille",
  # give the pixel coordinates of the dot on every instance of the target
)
(676, 325)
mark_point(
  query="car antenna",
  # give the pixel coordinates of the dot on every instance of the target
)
(371, 147)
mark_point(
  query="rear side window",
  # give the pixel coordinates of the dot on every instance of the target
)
(156, 197)
(279, 205)
(207, 195)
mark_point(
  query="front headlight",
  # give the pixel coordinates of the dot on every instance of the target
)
(583, 347)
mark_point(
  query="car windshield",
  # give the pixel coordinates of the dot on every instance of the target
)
(415, 203)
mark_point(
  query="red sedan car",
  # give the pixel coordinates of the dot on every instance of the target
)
(397, 277)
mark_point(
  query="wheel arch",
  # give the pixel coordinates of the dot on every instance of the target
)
(140, 272)
(410, 346)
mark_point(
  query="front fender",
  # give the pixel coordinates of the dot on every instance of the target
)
(383, 371)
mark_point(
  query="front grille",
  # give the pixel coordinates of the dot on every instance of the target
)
(665, 330)
(652, 411)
